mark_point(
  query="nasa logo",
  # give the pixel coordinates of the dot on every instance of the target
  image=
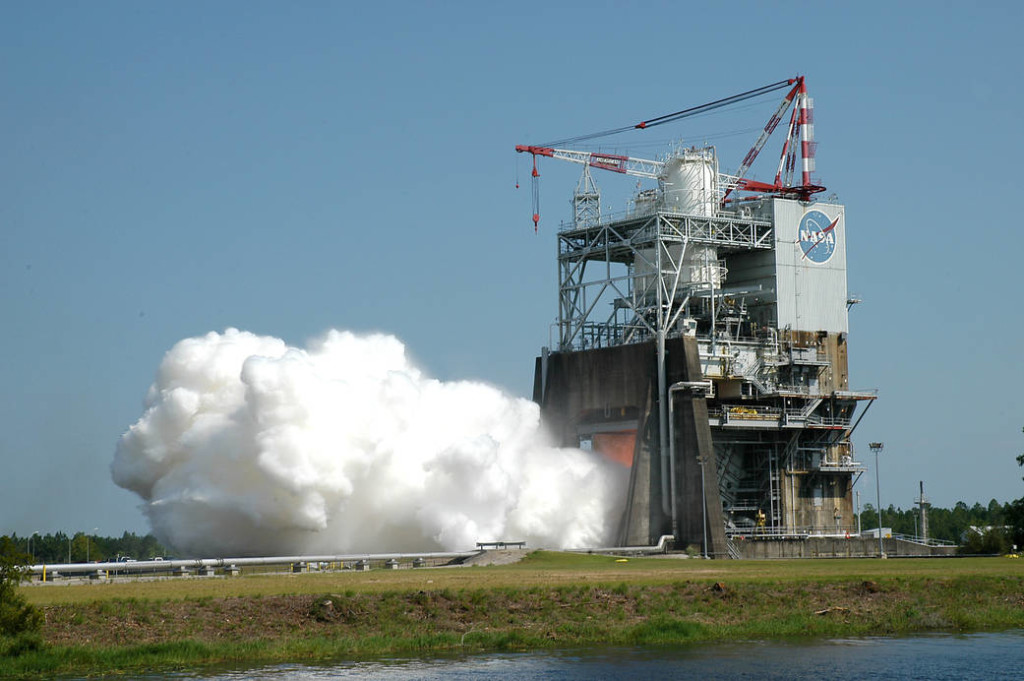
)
(817, 236)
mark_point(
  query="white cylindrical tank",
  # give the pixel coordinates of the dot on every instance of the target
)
(701, 266)
(690, 182)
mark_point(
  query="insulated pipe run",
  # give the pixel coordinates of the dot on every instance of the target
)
(660, 547)
(663, 445)
(163, 565)
(672, 455)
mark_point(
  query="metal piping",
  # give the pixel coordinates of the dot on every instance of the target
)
(163, 565)
(662, 419)
(660, 547)
(672, 456)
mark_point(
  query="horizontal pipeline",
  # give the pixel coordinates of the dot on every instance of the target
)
(196, 563)
(660, 547)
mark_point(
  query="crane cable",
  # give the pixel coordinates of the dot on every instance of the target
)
(717, 104)
(685, 113)
(643, 125)
(535, 191)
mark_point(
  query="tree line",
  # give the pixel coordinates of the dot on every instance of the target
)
(997, 526)
(80, 547)
(1001, 528)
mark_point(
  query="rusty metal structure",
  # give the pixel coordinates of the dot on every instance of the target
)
(703, 342)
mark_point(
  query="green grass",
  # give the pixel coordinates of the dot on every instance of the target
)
(539, 568)
(547, 600)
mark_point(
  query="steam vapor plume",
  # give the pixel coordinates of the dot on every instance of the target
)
(250, 447)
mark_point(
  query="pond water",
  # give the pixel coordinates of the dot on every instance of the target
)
(933, 657)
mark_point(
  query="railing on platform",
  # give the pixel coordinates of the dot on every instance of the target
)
(924, 542)
(809, 532)
(804, 532)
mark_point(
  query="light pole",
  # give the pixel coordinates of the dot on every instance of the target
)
(703, 505)
(876, 447)
(30, 551)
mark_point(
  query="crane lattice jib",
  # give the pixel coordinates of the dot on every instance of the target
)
(769, 128)
(627, 165)
(800, 139)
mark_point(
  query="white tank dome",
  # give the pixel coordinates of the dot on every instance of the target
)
(690, 182)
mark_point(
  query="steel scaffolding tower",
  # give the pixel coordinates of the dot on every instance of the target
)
(615, 262)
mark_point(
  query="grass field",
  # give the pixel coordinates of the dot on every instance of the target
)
(548, 599)
(538, 569)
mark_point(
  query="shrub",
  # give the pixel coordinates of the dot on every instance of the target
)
(990, 540)
(18, 620)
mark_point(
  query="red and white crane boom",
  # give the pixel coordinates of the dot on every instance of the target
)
(773, 122)
(800, 140)
(627, 165)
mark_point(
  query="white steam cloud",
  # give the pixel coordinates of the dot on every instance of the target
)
(251, 447)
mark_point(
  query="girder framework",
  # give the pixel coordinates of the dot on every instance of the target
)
(600, 263)
(758, 286)
(772, 469)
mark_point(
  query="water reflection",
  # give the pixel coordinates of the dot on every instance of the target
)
(939, 657)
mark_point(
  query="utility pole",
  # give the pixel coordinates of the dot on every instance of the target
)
(876, 447)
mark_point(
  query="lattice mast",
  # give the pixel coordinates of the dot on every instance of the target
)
(586, 201)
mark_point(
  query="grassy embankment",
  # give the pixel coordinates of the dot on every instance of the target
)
(547, 600)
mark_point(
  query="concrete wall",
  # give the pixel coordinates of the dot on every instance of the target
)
(579, 391)
(817, 513)
(837, 547)
(698, 498)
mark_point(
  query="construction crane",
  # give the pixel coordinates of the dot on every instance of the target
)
(627, 165)
(639, 167)
(799, 140)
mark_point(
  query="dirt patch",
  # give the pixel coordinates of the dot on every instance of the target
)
(575, 611)
(110, 623)
(115, 623)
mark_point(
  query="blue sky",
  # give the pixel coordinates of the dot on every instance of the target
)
(285, 168)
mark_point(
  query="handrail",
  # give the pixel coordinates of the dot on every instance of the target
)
(610, 217)
(813, 531)
(930, 541)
